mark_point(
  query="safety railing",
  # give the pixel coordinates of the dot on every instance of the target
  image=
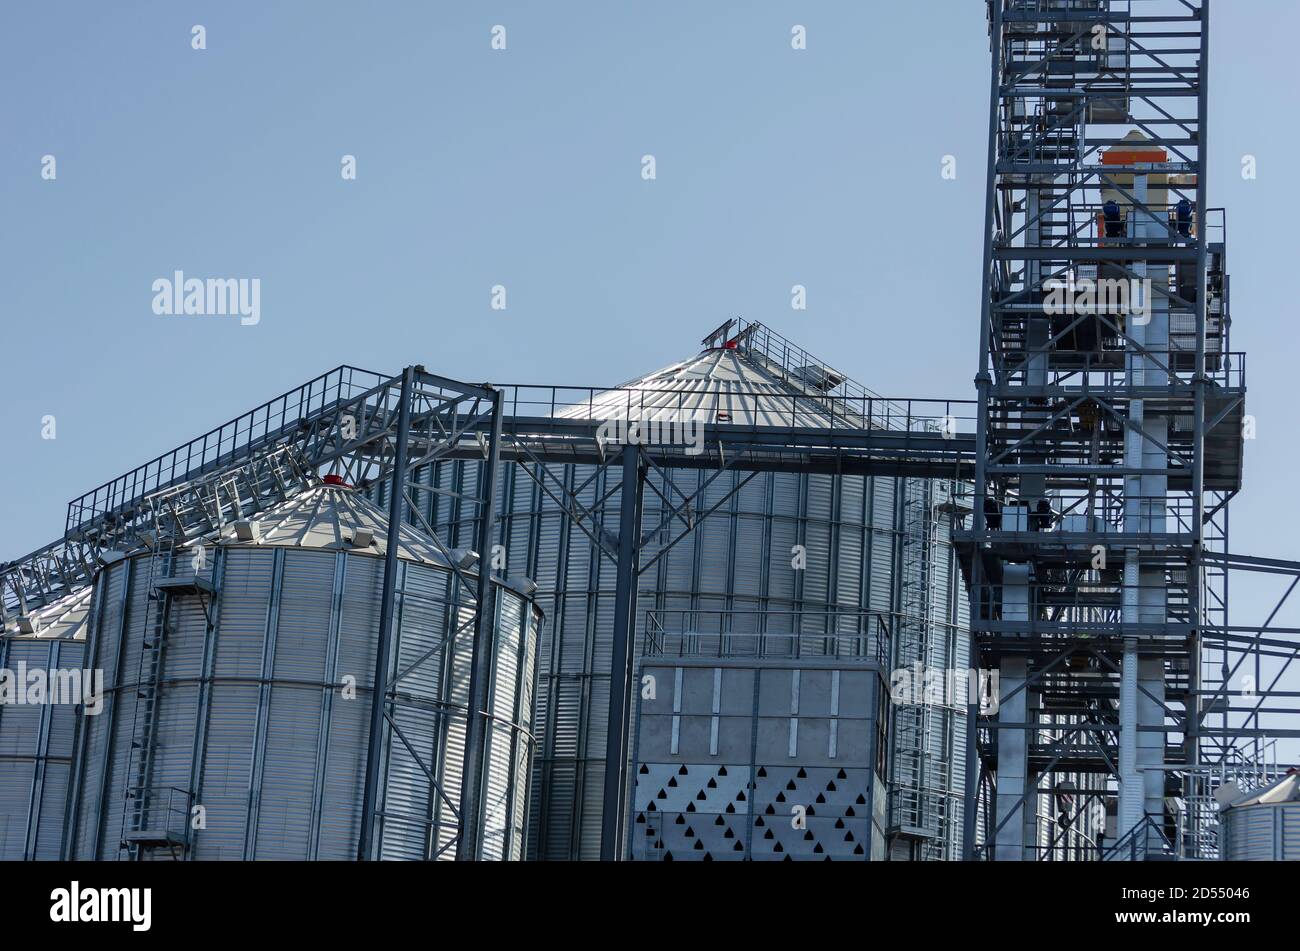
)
(1122, 519)
(1087, 604)
(1144, 840)
(721, 405)
(1105, 369)
(159, 814)
(918, 812)
(1199, 825)
(239, 438)
(777, 634)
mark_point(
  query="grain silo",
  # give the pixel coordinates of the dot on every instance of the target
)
(42, 686)
(865, 545)
(237, 672)
(1263, 825)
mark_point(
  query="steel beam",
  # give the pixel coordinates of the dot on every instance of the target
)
(616, 737)
(483, 658)
(983, 382)
(367, 848)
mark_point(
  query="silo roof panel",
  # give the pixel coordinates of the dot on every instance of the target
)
(67, 617)
(723, 385)
(1286, 789)
(332, 517)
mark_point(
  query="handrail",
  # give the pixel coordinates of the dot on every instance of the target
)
(870, 632)
(241, 436)
(1139, 834)
(731, 404)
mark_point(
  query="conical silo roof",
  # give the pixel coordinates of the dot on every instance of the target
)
(67, 617)
(743, 383)
(1286, 789)
(331, 517)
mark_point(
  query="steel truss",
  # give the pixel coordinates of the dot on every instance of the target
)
(373, 431)
(1109, 421)
(1093, 437)
(356, 426)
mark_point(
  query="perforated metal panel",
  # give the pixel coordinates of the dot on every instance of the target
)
(756, 760)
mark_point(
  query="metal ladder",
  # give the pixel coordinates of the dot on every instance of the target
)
(144, 717)
(917, 802)
(157, 818)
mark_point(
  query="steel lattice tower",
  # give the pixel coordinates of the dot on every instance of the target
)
(1109, 423)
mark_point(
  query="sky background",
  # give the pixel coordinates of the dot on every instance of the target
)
(522, 167)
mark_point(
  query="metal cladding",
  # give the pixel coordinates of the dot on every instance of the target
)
(759, 759)
(243, 720)
(722, 384)
(1263, 825)
(782, 554)
(36, 731)
(65, 618)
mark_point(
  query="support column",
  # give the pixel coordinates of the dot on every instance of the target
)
(1200, 383)
(620, 674)
(971, 807)
(1130, 783)
(983, 380)
(1151, 743)
(1015, 797)
(367, 847)
(482, 655)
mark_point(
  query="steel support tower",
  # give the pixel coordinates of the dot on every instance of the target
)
(1109, 423)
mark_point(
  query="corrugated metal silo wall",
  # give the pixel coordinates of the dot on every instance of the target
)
(251, 715)
(35, 751)
(739, 558)
(1265, 833)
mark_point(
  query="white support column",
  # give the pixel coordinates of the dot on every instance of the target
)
(1130, 783)
(1144, 595)
(1014, 781)
(1151, 744)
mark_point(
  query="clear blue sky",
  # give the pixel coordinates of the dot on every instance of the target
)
(775, 167)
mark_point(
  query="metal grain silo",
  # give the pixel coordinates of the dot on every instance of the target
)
(36, 738)
(871, 544)
(229, 670)
(1263, 825)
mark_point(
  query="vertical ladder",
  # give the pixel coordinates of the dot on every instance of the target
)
(156, 817)
(918, 794)
(147, 691)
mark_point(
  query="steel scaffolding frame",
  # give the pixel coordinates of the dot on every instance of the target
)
(349, 424)
(1109, 436)
(372, 430)
(1103, 453)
